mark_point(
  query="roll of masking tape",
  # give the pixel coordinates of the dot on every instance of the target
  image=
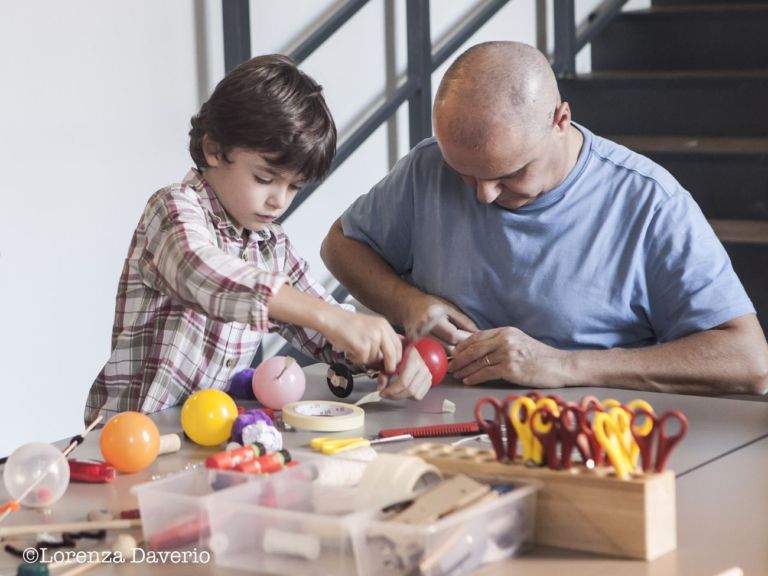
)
(323, 416)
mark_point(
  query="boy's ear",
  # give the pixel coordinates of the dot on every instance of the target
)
(212, 151)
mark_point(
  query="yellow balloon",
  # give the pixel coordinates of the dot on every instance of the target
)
(207, 417)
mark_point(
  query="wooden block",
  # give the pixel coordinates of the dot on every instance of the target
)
(580, 509)
(442, 499)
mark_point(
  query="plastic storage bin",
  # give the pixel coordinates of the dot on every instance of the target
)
(176, 511)
(293, 523)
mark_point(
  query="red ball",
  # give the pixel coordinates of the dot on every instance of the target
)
(434, 357)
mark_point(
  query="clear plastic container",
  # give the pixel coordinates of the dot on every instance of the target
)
(482, 533)
(176, 510)
(293, 522)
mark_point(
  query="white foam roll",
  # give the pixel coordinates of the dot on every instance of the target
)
(291, 544)
(218, 543)
(124, 545)
(338, 472)
(394, 477)
(323, 416)
(169, 443)
(100, 515)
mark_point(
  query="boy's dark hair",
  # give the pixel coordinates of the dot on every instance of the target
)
(268, 105)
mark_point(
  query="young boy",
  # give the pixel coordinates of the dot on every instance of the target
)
(209, 271)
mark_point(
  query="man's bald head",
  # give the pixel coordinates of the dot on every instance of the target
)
(496, 86)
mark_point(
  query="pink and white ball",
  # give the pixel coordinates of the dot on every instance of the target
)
(278, 381)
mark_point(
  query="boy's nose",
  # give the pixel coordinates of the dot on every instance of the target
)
(278, 198)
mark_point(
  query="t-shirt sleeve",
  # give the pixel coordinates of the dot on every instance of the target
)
(691, 283)
(383, 218)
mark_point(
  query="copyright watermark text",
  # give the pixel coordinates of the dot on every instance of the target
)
(136, 556)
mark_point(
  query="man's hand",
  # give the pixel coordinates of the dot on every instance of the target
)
(508, 354)
(452, 328)
(414, 379)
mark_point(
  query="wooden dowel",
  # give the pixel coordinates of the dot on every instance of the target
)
(70, 527)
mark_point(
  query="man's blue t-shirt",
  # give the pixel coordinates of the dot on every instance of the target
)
(619, 254)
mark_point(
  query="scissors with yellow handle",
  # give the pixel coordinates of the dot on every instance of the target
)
(335, 445)
(609, 433)
(521, 415)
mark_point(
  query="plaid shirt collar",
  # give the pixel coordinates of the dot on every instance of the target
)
(210, 202)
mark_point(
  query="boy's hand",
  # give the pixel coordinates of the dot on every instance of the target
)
(364, 339)
(414, 379)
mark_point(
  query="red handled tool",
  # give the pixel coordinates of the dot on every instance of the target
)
(664, 442)
(434, 431)
(91, 471)
(496, 427)
(545, 426)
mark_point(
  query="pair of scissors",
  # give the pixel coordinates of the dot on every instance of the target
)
(328, 445)
(576, 432)
(536, 396)
(654, 428)
(546, 427)
(498, 425)
(613, 431)
(522, 411)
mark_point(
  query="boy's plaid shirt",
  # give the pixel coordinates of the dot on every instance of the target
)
(192, 302)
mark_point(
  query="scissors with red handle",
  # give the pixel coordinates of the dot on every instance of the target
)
(496, 427)
(644, 436)
(575, 432)
(545, 426)
(589, 405)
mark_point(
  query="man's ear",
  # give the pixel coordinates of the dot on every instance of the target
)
(212, 151)
(562, 116)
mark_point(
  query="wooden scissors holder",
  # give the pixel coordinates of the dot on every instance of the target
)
(579, 509)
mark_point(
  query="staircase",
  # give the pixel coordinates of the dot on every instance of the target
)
(685, 82)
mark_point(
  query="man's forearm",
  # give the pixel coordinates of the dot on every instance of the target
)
(366, 275)
(732, 358)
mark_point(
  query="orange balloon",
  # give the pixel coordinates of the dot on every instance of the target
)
(130, 442)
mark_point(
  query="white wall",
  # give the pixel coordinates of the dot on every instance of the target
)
(95, 102)
(94, 106)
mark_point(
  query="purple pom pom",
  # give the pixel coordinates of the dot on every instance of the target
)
(241, 385)
(246, 419)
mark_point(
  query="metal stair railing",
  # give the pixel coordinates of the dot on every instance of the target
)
(570, 39)
(416, 89)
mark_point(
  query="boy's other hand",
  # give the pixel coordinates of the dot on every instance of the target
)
(414, 379)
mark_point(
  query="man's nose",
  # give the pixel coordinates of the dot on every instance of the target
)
(487, 191)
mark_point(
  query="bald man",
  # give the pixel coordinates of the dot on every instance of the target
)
(565, 259)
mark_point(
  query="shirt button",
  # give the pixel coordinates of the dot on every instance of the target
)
(230, 362)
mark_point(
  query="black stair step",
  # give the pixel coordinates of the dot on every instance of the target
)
(728, 177)
(701, 103)
(727, 36)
